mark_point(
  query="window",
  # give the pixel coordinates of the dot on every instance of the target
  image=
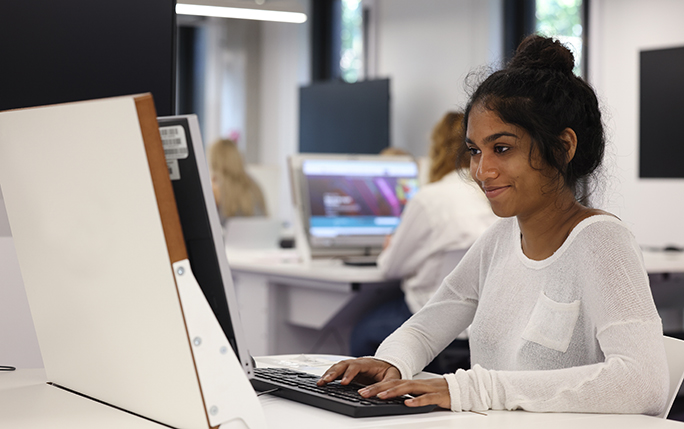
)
(564, 20)
(338, 40)
(351, 38)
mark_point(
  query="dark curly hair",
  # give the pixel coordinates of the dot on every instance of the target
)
(539, 92)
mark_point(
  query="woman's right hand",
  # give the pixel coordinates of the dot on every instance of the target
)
(361, 370)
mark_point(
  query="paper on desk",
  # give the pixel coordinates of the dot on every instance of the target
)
(316, 364)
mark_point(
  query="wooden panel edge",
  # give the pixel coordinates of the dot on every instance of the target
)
(166, 200)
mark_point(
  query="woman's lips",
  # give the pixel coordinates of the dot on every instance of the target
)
(494, 191)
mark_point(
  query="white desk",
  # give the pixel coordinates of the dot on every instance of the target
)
(287, 306)
(27, 403)
(661, 262)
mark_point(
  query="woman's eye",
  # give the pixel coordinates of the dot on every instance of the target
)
(473, 151)
(501, 149)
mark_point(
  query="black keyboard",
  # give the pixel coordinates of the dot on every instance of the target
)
(301, 387)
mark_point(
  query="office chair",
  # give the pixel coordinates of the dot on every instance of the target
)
(674, 351)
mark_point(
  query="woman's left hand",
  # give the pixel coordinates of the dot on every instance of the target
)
(425, 392)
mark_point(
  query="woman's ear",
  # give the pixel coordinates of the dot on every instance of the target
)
(570, 139)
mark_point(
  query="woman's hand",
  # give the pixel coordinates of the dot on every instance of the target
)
(425, 392)
(361, 370)
(388, 382)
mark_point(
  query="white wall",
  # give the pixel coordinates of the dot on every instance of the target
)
(427, 48)
(285, 66)
(231, 90)
(619, 30)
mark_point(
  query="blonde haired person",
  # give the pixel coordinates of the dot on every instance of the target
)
(447, 137)
(236, 193)
(438, 225)
(394, 151)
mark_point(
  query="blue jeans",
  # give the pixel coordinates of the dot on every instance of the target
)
(377, 325)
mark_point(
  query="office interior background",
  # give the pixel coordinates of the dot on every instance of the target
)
(247, 75)
(252, 72)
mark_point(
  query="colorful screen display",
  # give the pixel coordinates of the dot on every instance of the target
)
(357, 197)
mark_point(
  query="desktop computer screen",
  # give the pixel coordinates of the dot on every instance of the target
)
(353, 201)
(199, 219)
(342, 117)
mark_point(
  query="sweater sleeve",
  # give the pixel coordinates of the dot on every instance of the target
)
(407, 246)
(448, 313)
(633, 378)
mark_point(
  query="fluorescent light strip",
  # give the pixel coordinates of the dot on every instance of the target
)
(240, 13)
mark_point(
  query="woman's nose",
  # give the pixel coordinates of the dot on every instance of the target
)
(485, 169)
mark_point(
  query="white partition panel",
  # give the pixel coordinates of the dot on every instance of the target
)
(94, 257)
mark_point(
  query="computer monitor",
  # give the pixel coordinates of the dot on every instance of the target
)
(348, 204)
(342, 117)
(201, 226)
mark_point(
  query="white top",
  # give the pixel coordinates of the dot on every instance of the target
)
(576, 332)
(443, 216)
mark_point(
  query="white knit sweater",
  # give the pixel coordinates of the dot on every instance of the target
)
(576, 332)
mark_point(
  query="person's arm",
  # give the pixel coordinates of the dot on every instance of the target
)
(408, 247)
(633, 377)
(450, 311)
(414, 345)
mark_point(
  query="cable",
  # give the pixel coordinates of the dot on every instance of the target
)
(267, 391)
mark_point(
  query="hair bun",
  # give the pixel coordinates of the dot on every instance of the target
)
(537, 52)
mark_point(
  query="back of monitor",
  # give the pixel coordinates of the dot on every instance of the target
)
(103, 260)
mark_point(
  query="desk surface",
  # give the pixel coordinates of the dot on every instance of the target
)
(286, 263)
(27, 402)
(663, 261)
(279, 410)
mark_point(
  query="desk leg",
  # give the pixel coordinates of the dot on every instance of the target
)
(254, 300)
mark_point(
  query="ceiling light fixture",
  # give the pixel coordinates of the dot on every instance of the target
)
(240, 13)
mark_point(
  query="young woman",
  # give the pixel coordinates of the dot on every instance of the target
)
(236, 193)
(557, 294)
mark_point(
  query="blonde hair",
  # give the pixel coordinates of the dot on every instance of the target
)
(238, 194)
(447, 137)
(394, 151)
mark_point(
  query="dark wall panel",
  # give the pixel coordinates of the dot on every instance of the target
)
(70, 50)
(661, 142)
(339, 117)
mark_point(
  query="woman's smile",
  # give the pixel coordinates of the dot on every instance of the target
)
(494, 191)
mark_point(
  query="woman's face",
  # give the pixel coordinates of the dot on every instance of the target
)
(501, 164)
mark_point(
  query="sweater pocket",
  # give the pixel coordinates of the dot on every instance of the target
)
(552, 323)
